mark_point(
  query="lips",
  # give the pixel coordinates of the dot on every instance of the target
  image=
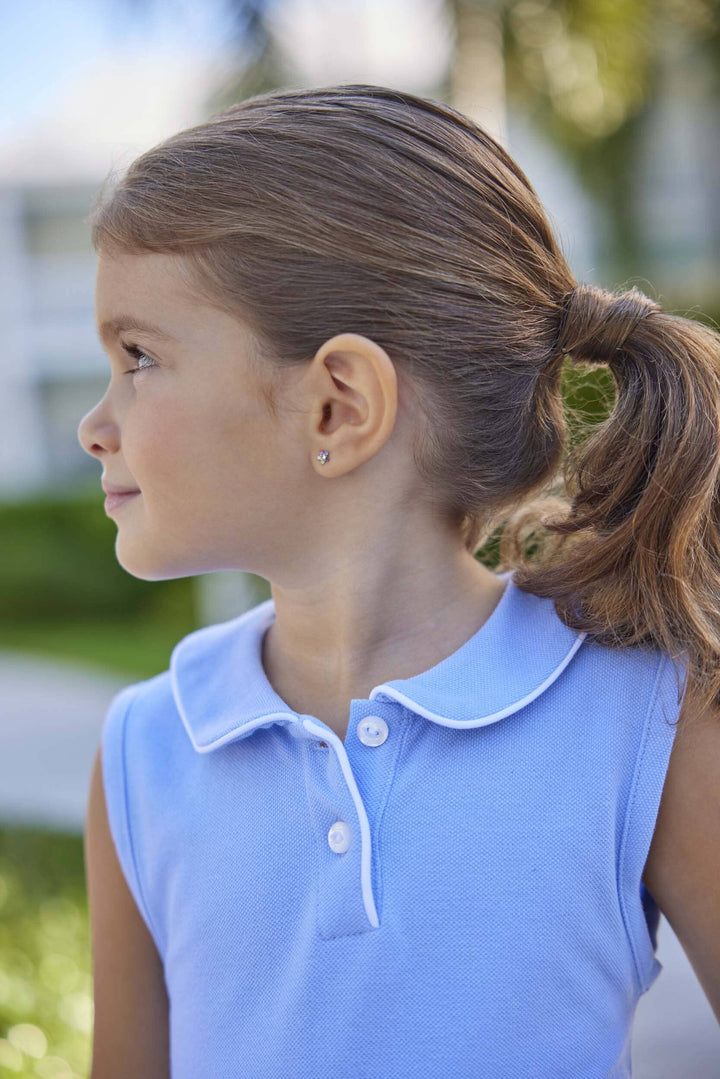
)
(113, 501)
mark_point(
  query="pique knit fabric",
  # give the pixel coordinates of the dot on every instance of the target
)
(453, 890)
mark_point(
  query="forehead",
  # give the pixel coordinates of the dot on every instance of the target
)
(160, 294)
(129, 276)
(149, 292)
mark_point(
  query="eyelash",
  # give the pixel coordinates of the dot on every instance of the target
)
(136, 353)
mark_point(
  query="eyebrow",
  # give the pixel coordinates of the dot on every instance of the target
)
(113, 327)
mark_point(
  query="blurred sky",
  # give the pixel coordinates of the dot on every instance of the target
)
(85, 85)
(45, 45)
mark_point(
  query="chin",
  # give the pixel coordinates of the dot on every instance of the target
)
(144, 573)
(147, 569)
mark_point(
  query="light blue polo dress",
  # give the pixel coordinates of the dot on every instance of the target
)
(452, 891)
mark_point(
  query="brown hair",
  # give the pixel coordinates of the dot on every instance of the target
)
(312, 212)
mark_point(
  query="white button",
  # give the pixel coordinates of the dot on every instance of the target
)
(339, 837)
(372, 731)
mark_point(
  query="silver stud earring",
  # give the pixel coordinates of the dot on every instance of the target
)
(323, 456)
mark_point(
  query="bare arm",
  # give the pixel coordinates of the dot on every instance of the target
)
(682, 872)
(130, 1034)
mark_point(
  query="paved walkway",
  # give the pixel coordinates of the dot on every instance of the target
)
(51, 715)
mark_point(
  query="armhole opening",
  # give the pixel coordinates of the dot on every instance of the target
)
(641, 915)
(115, 782)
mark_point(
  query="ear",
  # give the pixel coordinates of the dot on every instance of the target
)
(354, 385)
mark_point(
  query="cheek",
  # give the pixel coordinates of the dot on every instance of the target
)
(158, 440)
(242, 436)
(205, 442)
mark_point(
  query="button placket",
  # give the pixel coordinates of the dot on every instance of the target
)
(345, 900)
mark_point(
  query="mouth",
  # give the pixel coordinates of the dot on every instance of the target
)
(113, 502)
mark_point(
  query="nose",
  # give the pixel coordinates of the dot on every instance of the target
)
(96, 434)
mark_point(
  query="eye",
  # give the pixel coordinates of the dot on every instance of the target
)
(138, 354)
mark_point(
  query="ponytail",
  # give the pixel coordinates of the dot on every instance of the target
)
(635, 560)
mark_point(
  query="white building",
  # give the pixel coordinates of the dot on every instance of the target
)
(51, 364)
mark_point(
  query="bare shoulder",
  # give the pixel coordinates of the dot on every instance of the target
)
(682, 872)
(130, 1034)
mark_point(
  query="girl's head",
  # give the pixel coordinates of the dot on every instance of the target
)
(359, 270)
(226, 480)
(275, 241)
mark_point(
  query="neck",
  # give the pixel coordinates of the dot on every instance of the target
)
(328, 648)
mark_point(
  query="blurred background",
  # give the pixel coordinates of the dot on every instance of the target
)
(611, 107)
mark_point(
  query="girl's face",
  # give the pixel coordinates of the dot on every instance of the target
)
(190, 431)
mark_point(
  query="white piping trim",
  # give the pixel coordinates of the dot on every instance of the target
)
(234, 732)
(365, 851)
(481, 721)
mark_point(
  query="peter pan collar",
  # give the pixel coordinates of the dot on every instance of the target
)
(222, 692)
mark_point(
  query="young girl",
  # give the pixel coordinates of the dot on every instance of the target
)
(403, 818)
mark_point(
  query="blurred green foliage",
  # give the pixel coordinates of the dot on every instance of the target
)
(46, 1005)
(58, 562)
(63, 592)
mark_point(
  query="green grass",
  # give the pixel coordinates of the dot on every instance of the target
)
(46, 1004)
(133, 649)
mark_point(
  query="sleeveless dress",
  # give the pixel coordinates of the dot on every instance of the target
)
(453, 890)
